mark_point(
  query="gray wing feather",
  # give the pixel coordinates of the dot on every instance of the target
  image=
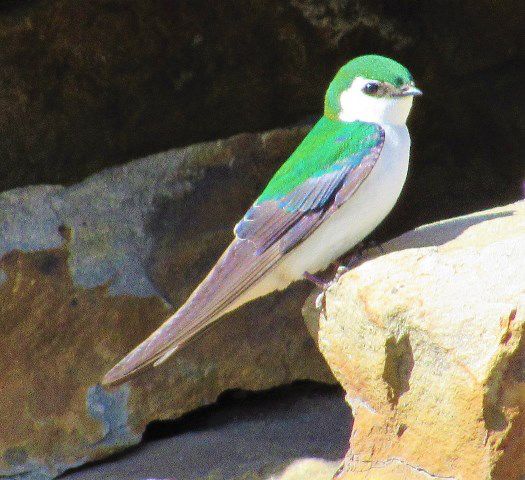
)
(266, 233)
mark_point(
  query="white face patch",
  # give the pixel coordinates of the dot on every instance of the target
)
(357, 105)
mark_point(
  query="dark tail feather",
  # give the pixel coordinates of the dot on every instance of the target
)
(235, 272)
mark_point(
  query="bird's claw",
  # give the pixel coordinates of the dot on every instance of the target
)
(352, 261)
(341, 270)
(319, 300)
(319, 282)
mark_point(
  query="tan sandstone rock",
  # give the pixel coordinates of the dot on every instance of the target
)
(428, 341)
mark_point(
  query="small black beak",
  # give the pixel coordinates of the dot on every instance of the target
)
(407, 91)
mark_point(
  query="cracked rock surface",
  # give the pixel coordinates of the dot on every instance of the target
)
(247, 437)
(428, 341)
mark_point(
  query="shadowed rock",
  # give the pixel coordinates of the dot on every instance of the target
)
(86, 85)
(85, 274)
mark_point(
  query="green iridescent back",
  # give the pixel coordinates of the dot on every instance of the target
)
(329, 145)
(332, 143)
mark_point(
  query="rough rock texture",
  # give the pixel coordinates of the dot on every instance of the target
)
(429, 343)
(248, 437)
(84, 272)
(88, 84)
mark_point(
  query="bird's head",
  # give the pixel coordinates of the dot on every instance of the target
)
(371, 88)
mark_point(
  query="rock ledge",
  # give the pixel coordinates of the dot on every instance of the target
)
(429, 343)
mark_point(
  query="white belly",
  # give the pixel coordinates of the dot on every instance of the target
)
(356, 218)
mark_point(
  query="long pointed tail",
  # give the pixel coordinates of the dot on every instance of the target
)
(221, 291)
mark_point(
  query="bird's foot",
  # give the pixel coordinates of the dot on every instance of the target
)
(320, 301)
(323, 284)
(318, 281)
(356, 256)
(339, 268)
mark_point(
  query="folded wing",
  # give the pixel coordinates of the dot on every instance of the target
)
(275, 224)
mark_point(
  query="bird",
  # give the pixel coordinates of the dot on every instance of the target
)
(332, 191)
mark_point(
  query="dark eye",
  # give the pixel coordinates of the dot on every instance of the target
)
(371, 88)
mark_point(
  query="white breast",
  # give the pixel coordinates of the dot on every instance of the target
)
(358, 216)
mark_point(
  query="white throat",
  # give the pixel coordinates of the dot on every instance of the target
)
(357, 105)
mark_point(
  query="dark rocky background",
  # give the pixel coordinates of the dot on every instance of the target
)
(85, 85)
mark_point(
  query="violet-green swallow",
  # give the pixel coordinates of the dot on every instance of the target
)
(334, 189)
